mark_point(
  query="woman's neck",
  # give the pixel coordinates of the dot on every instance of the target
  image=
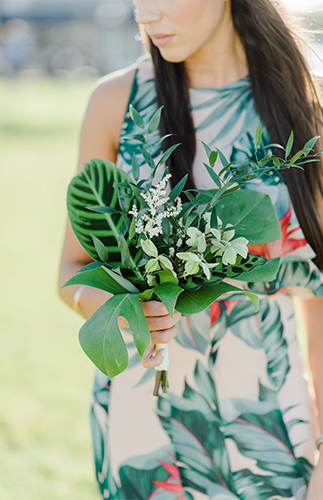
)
(221, 61)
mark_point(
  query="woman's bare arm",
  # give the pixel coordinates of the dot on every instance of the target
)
(312, 314)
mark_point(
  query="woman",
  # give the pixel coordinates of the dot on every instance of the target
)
(239, 420)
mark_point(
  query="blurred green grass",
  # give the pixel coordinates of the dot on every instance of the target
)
(45, 379)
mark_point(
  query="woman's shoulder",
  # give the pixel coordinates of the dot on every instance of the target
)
(120, 82)
(109, 96)
(112, 91)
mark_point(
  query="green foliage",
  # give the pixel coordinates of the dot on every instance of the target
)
(265, 273)
(197, 245)
(252, 214)
(193, 302)
(101, 339)
(93, 186)
(97, 278)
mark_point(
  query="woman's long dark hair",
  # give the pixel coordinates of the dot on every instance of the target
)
(285, 96)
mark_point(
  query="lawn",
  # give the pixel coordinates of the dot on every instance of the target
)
(45, 379)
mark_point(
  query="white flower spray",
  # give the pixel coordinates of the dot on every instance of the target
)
(150, 223)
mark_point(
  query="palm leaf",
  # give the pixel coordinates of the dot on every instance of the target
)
(264, 438)
(92, 187)
(274, 342)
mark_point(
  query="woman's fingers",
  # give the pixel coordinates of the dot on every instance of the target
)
(162, 330)
(157, 323)
(163, 336)
(153, 308)
(149, 360)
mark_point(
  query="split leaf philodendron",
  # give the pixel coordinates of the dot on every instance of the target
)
(184, 248)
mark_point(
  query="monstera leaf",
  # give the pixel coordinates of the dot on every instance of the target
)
(101, 339)
(94, 187)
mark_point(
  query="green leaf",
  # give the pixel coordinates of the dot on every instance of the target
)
(92, 187)
(213, 175)
(167, 154)
(97, 278)
(134, 137)
(160, 140)
(207, 149)
(274, 145)
(132, 229)
(264, 274)
(213, 157)
(149, 248)
(166, 276)
(193, 302)
(155, 121)
(296, 156)
(101, 339)
(217, 195)
(176, 191)
(168, 293)
(258, 136)
(166, 227)
(214, 218)
(147, 157)
(252, 214)
(231, 190)
(276, 161)
(103, 210)
(274, 342)
(135, 167)
(290, 144)
(124, 250)
(100, 248)
(146, 295)
(310, 144)
(136, 117)
(255, 434)
(89, 267)
(225, 168)
(223, 159)
(123, 282)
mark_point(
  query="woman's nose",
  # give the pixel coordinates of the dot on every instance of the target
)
(147, 11)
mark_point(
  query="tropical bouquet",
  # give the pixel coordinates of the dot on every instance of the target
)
(185, 248)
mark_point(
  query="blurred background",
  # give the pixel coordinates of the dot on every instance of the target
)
(51, 53)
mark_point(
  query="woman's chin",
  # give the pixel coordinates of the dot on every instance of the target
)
(172, 56)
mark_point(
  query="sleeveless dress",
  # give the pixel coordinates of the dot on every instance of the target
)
(239, 420)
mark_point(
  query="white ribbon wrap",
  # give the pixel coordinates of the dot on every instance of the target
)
(165, 363)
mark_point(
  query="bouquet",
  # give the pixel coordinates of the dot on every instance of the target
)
(183, 247)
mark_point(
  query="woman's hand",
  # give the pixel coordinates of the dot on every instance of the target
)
(162, 329)
(315, 488)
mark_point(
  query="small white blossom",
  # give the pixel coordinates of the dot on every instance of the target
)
(194, 262)
(171, 252)
(229, 248)
(196, 239)
(179, 242)
(207, 218)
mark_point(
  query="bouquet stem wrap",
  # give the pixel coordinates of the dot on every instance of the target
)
(161, 375)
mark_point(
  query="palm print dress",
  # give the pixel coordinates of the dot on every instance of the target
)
(239, 420)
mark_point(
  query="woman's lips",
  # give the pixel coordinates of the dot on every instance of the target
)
(161, 39)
